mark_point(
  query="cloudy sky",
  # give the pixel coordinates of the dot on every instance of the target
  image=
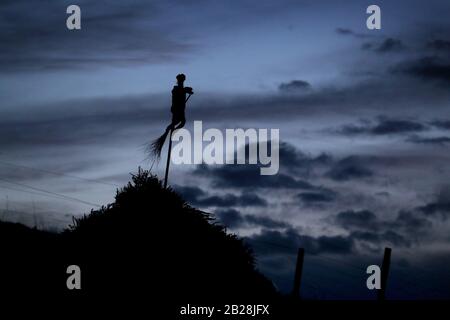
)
(363, 116)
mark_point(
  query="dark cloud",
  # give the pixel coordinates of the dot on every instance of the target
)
(251, 199)
(293, 164)
(429, 140)
(430, 68)
(266, 222)
(411, 223)
(440, 207)
(349, 32)
(366, 236)
(383, 194)
(343, 31)
(364, 219)
(395, 238)
(190, 194)
(378, 239)
(439, 44)
(290, 238)
(234, 219)
(294, 86)
(231, 218)
(349, 168)
(351, 129)
(230, 200)
(294, 161)
(387, 126)
(388, 45)
(364, 225)
(198, 197)
(217, 201)
(317, 197)
(239, 176)
(442, 124)
(384, 126)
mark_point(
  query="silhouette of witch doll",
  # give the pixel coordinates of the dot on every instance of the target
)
(178, 107)
(179, 100)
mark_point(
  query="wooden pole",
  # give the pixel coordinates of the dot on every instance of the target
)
(168, 159)
(170, 151)
(298, 272)
(384, 273)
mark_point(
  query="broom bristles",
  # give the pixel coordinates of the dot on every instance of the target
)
(157, 145)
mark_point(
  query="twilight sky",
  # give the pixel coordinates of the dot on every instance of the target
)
(363, 116)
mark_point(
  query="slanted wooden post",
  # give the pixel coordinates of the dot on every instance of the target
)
(384, 273)
(298, 272)
(168, 159)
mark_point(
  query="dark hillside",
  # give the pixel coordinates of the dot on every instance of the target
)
(148, 242)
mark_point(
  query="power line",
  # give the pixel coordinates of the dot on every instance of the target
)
(342, 262)
(59, 174)
(52, 193)
(37, 193)
(31, 192)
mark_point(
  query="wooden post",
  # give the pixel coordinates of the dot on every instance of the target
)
(384, 273)
(298, 272)
(170, 151)
(168, 159)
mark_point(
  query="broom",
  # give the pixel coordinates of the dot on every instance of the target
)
(157, 145)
